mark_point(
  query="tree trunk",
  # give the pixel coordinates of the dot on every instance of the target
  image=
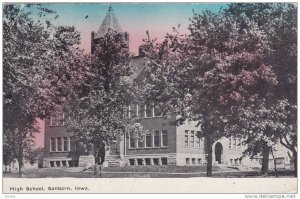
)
(265, 159)
(21, 172)
(20, 161)
(275, 168)
(295, 163)
(209, 156)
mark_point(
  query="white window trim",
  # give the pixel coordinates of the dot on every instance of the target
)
(192, 132)
(188, 136)
(51, 121)
(137, 143)
(159, 137)
(145, 116)
(56, 144)
(235, 143)
(154, 112)
(153, 115)
(69, 143)
(51, 144)
(64, 144)
(162, 143)
(151, 134)
(129, 109)
(196, 132)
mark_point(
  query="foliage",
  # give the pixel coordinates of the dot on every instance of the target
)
(207, 74)
(39, 60)
(97, 107)
(272, 119)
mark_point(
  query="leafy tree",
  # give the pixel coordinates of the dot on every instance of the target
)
(35, 155)
(97, 107)
(206, 74)
(39, 65)
(275, 116)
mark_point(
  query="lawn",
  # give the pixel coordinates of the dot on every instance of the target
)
(143, 172)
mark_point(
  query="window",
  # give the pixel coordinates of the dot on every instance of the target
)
(66, 148)
(132, 143)
(53, 120)
(133, 111)
(128, 113)
(72, 143)
(131, 162)
(239, 143)
(140, 161)
(234, 142)
(186, 138)
(157, 110)
(59, 143)
(52, 145)
(148, 111)
(187, 161)
(155, 161)
(149, 140)
(156, 139)
(70, 163)
(164, 138)
(198, 139)
(199, 161)
(193, 160)
(141, 142)
(147, 161)
(230, 144)
(140, 111)
(164, 161)
(192, 138)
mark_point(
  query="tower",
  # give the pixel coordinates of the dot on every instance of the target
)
(109, 24)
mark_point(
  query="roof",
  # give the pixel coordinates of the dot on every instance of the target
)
(109, 23)
(137, 66)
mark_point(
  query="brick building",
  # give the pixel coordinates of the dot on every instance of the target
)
(166, 144)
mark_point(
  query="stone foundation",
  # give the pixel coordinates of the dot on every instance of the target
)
(46, 163)
(114, 161)
(86, 161)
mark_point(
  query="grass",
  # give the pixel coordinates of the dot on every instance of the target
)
(145, 172)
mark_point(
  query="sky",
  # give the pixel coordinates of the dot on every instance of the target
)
(134, 18)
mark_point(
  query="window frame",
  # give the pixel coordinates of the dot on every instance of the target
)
(157, 134)
(59, 145)
(149, 135)
(186, 135)
(52, 139)
(63, 143)
(164, 132)
(192, 138)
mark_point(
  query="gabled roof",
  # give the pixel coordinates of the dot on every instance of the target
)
(137, 65)
(109, 23)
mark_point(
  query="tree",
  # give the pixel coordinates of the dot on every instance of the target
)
(97, 107)
(35, 155)
(279, 22)
(206, 74)
(39, 65)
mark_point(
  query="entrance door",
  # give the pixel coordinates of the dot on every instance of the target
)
(218, 152)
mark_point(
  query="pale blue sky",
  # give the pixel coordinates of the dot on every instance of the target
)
(135, 18)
